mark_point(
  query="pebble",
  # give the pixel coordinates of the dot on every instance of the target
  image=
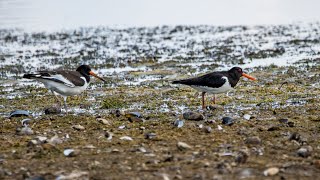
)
(55, 140)
(134, 117)
(283, 120)
(255, 140)
(246, 173)
(227, 121)
(74, 175)
(178, 123)
(32, 142)
(126, 138)
(122, 127)
(317, 164)
(297, 137)
(41, 139)
(219, 128)
(242, 157)
(273, 128)
(246, 117)
(305, 151)
(36, 178)
(291, 124)
(103, 121)
(52, 110)
(25, 122)
(78, 127)
(207, 129)
(183, 146)
(193, 116)
(271, 171)
(117, 112)
(108, 135)
(19, 113)
(133, 114)
(24, 131)
(70, 152)
(150, 135)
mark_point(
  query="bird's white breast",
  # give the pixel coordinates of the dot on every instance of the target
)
(62, 89)
(224, 88)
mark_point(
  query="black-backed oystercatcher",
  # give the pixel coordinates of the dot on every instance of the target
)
(65, 82)
(215, 82)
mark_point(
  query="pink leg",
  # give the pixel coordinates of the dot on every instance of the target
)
(203, 105)
(214, 99)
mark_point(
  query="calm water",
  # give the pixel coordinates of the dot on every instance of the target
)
(52, 15)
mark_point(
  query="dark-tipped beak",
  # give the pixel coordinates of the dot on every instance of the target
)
(248, 76)
(96, 76)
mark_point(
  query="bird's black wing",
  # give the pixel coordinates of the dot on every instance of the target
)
(68, 78)
(213, 80)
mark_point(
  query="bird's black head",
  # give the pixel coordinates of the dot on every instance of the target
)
(86, 70)
(236, 72)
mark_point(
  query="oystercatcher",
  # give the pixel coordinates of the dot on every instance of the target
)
(65, 82)
(215, 82)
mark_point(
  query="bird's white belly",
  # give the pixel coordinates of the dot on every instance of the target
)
(225, 88)
(63, 89)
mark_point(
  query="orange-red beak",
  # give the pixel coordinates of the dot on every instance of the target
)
(94, 74)
(249, 77)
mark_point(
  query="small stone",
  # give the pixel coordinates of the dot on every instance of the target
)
(52, 110)
(134, 117)
(246, 173)
(227, 121)
(126, 138)
(255, 140)
(55, 140)
(150, 135)
(317, 163)
(142, 149)
(78, 127)
(214, 107)
(246, 117)
(219, 128)
(183, 146)
(108, 135)
(207, 129)
(305, 151)
(273, 128)
(25, 122)
(36, 178)
(193, 116)
(24, 131)
(271, 171)
(283, 120)
(41, 139)
(76, 174)
(122, 127)
(134, 114)
(242, 157)
(32, 142)
(178, 123)
(71, 152)
(103, 121)
(291, 124)
(297, 137)
(18, 113)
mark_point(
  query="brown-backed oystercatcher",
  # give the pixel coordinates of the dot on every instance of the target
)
(65, 82)
(215, 82)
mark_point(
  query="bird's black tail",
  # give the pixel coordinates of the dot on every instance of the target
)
(176, 82)
(30, 76)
